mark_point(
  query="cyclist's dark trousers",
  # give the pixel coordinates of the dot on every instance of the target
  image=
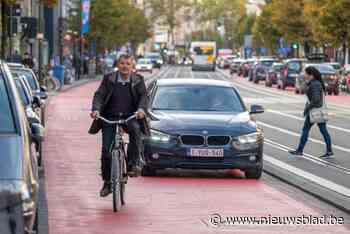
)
(134, 147)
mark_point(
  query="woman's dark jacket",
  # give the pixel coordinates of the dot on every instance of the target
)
(314, 92)
(105, 91)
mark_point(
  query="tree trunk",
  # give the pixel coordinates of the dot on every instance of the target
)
(345, 54)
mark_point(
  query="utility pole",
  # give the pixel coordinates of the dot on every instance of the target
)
(11, 29)
(3, 26)
(40, 39)
(81, 36)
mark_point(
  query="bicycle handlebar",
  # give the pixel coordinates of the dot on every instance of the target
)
(121, 121)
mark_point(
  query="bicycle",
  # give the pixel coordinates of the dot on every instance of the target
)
(119, 176)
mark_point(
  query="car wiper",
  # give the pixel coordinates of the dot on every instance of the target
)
(163, 109)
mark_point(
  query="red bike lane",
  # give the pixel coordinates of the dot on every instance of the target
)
(171, 203)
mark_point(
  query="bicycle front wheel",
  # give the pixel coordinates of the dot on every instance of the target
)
(116, 181)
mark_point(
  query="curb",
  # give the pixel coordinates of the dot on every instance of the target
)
(322, 193)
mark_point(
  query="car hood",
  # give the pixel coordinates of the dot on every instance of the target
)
(223, 123)
(11, 157)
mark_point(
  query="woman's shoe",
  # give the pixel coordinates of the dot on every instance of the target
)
(327, 155)
(296, 152)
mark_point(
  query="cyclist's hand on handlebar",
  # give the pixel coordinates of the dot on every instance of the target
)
(94, 114)
(140, 115)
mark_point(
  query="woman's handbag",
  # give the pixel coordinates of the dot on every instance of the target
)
(319, 115)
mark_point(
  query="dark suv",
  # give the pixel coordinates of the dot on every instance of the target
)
(290, 71)
(19, 184)
(262, 69)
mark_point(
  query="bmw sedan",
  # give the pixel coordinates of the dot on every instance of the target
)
(202, 124)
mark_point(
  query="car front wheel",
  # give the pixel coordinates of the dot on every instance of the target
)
(148, 171)
(254, 173)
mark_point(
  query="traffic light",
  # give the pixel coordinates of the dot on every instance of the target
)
(30, 26)
(295, 45)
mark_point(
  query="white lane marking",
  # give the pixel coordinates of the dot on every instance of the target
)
(270, 100)
(302, 119)
(308, 157)
(191, 72)
(298, 135)
(313, 178)
(177, 72)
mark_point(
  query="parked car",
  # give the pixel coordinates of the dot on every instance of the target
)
(252, 71)
(155, 58)
(329, 76)
(40, 91)
(262, 69)
(202, 124)
(273, 74)
(235, 65)
(144, 65)
(291, 69)
(337, 67)
(19, 184)
(345, 81)
(32, 108)
(224, 62)
(245, 67)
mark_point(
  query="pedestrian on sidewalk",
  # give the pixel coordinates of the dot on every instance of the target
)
(315, 92)
(28, 61)
(123, 93)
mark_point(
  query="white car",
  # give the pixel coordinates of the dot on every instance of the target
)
(144, 65)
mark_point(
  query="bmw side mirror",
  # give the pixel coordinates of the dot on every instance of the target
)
(256, 109)
(38, 132)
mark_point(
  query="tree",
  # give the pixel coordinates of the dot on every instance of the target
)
(288, 17)
(228, 13)
(164, 12)
(334, 19)
(264, 32)
(115, 25)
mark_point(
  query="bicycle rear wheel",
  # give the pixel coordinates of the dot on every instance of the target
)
(124, 177)
(116, 180)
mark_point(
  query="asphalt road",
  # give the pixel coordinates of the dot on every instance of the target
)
(176, 201)
(282, 123)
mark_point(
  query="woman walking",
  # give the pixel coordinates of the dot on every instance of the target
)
(315, 91)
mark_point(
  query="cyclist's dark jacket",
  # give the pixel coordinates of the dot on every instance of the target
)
(105, 92)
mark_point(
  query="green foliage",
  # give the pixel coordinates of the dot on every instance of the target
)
(266, 34)
(164, 12)
(116, 24)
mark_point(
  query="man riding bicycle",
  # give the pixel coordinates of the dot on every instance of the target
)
(119, 96)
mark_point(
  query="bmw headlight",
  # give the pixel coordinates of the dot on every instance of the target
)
(158, 136)
(160, 61)
(248, 141)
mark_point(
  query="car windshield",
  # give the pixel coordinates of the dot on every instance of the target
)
(22, 92)
(277, 67)
(267, 63)
(295, 66)
(29, 77)
(336, 66)
(6, 117)
(197, 98)
(144, 61)
(325, 69)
